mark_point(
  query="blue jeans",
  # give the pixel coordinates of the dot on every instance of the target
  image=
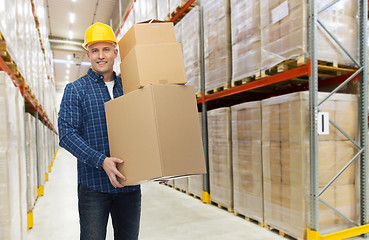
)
(94, 208)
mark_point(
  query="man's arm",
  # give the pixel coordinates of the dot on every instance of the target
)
(69, 123)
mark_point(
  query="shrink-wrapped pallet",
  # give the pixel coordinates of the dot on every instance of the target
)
(196, 183)
(181, 183)
(246, 43)
(10, 207)
(220, 157)
(31, 160)
(217, 41)
(162, 9)
(191, 48)
(8, 26)
(247, 160)
(285, 144)
(284, 31)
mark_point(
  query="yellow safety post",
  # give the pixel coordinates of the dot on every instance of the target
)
(313, 235)
(46, 177)
(50, 168)
(205, 197)
(29, 219)
(40, 191)
(56, 152)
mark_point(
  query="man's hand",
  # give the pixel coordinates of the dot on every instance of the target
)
(110, 167)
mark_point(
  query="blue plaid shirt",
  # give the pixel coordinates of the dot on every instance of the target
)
(83, 131)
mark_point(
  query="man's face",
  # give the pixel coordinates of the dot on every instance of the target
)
(102, 56)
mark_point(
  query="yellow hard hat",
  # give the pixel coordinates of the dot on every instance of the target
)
(99, 32)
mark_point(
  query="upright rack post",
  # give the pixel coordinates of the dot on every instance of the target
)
(206, 188)
(313, 111)
(363, 47)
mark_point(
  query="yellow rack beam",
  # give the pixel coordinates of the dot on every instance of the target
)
(347, 233)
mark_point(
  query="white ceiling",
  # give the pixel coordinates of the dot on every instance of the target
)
(86, 13)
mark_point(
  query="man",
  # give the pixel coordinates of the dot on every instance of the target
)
(83, 132)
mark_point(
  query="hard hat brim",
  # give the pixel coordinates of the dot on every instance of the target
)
(85, 45)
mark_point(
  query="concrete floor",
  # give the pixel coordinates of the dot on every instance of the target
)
(166, 213)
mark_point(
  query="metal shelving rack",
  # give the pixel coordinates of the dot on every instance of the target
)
(362, 146)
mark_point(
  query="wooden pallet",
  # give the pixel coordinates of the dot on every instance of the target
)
(228, 209)
(170, 15)
(249, 219)
(193, 195)
(281, 232)
(243, 81)
(218, 89)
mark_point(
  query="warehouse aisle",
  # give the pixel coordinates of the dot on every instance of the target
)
(166, 213)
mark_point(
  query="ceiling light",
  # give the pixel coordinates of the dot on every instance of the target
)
(68, 65)
(69, 57)
(72, 17)
(68, 71)
(70, 34)
(74, 0)
(67, 77)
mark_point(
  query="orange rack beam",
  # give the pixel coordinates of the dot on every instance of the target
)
(280, 77)
(182, 10)
(25, 93)
(125, 18)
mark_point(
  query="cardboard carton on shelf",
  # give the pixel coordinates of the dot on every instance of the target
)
(148, 32)
(153, 64)
(156, 131)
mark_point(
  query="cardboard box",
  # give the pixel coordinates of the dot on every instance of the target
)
(153, 64)
(146, 33)
(156, 131)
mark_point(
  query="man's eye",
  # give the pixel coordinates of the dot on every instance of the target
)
(94, 50)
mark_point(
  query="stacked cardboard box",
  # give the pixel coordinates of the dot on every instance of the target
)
(285, 135)
(154, 126)
(246, 39)
(284, 29)
(217, 37)
(150, 55)
(247, 160)
(220, 157)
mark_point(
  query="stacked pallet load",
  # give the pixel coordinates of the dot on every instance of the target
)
(220, 157)
(181, 184)
(284, 31)
(13, 214)
(196, 183)
(162, 9)
(30, 122)
(217, 41)
(285, 144)
(247, 160)
(246, 40)
(191, 47)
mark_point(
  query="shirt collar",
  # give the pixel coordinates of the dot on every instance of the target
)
(95, 76)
